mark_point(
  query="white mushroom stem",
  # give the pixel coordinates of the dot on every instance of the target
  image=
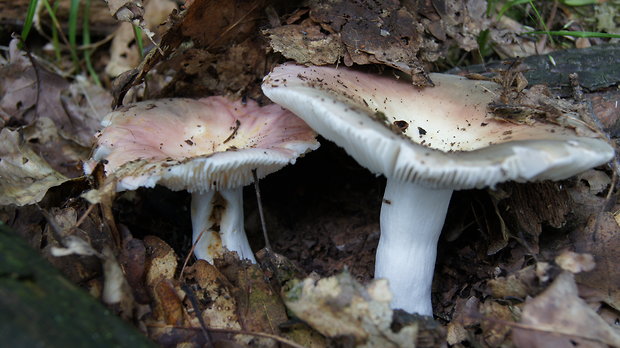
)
(411, 220)
(217, 219)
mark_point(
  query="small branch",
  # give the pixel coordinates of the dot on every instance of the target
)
(522, 326)
(189, 254)
(192, 298)
(237, 332)
(260, 211)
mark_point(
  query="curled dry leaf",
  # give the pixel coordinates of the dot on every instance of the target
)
(161, 260)
(124, 52)
(126, 10)
(116, 289)
(597, 180)
(558, 316)
(306, 43)
(26, 177)
(525, 282)
(402, 35)
(600, 239)
(221, 309)
(259, 306)
(74, 245)
(575, 262)
(340, 306)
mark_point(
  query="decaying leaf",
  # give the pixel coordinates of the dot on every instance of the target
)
(124, 52)
(305, 43)
(116, 289)
(600, 239)
(558, 317)
(24, 176)
(340, 306)
(402, 35)
(26, 92)
(214, 290)
(575, 262)
(597, 180)
(161, 260)
(495, 331)
(260, 305)
(58, 119)
(381, 32)
(125, 10)
(526, 282)
(526, 208)
(74, 245)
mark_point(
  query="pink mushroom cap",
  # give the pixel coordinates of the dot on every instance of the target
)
(198, 145)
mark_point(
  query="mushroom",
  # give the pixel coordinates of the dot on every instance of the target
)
(208, 147)
(427, 142)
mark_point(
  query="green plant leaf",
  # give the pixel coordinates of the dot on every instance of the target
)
(575, 33)
(32, 7)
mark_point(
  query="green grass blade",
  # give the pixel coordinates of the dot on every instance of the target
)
(578, 2)
(585, 34)
(137, 33)
(509, 5)
(73, 19)
(86, 42)
(32, 8)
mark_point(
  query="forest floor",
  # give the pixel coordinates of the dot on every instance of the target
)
(518, 265)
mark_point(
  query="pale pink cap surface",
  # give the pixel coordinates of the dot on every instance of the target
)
(199, 145)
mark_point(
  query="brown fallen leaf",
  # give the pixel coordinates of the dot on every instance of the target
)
(525, 282)
(394, 39)
(600, 238)
(340, 306)
(26, 177)
(214, 290)
(558, 316)
(161, 260)
(305, 43)
(124, 52)
(575, 262)
(58, 119)
(259, 306)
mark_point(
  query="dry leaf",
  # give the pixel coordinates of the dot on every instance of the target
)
(214, 290)
(26, 177)
(600, 238)
(306, 44)
(525, 282)
(340, 306)
(575, 262)
(558, 317)
(116, 289)
(124, 52)
(161, 260)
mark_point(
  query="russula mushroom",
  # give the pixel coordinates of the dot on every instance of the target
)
(427, 142)
(208, 147)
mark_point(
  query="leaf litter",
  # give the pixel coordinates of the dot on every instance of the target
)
(524, 265)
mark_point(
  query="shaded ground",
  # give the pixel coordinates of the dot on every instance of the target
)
(524, 265)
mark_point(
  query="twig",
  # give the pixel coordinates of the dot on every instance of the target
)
(84, 216)
(192, 298)
(260, 211)
(189, 254)
(522, 326)
(237, 332)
